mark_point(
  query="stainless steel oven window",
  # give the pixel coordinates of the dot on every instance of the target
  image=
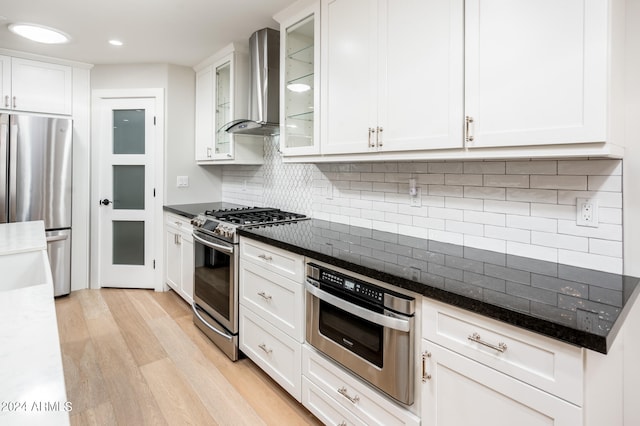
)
(215, 280)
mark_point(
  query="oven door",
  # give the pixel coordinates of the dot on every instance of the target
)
(215, 281)
(376, 346)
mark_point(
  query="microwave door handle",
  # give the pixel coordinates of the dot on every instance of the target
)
(209, 244)
(374, 317)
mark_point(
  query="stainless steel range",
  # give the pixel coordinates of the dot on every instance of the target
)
(215, 299)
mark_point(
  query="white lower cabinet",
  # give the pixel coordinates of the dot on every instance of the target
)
(337, 397)
(179, 262)
(460, 391)
(272, 350)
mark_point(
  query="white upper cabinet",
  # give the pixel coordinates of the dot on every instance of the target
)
(300, 79)
(35, 86)
(391, 75)
(535, 72)
(221, 97)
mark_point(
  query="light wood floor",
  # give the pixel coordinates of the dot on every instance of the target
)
(134, 357)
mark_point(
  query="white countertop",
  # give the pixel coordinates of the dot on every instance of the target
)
(21, 237)
(32, 387)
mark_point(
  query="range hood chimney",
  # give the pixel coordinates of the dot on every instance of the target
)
(264, 93)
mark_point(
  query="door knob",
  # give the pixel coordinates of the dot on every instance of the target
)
(105, 202)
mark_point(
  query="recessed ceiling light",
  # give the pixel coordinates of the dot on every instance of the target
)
(39, 33)
(115, 42)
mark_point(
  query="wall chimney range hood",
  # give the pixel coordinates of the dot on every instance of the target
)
(264, 92)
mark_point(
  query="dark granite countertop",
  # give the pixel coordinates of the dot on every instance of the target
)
(192, 210)
(578, 306)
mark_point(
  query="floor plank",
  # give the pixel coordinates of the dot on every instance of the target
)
(178, 402)
(183, 379)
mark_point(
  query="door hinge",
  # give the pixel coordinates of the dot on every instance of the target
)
(154, 264)
(154, 192)
(154, 120)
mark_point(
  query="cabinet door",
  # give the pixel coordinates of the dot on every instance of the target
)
(462, 392)
(421, 75)
(173, 258)
(300, 85)
(536, 71)
(204, 114)
(41, 87)
(5, 82)
(349, 75)
(223, 108)
(187, 267)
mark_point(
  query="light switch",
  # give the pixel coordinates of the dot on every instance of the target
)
(183, 181)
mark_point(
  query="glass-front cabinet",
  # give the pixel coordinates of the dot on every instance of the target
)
(222, 82)
(299, 61)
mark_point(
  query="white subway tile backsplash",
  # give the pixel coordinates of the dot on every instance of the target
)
(605, 183)
(511, 207)
(507, 181)
(496, 219)
(528, 250)
(605, 247)
(485, 243)
(591, 261)
(577, 183)
(603, 231)
(484, 167)
(549, 196)
(464, 203)
(485, 192)
(508, 234)
(465, 228)
(446, 190)
(553, 211)
(591, 167)
(532, 167)
(568, 242)
(446, 167)
(464, 179)
(522, 207)
(532, 223)
(605, 199)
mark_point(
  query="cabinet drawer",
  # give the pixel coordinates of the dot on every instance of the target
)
(277, 299)
(326, 408)
(369, 405)
(280, 261)
(178, 222)
(272, 350)
(549, 365)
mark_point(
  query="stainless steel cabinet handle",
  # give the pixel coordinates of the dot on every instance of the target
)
(468, 121)
(264, 348)
(379, 136)
(6, 101)
(14, 102)
(343, 391)
(265, 257)
(208, 152)
(425, 376)
(342, 423)
(500, 347)
(371, 130)
(264, 296)
(178, 223)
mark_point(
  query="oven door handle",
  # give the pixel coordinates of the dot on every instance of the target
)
(209, 244)
(374, 317)
(209, 326)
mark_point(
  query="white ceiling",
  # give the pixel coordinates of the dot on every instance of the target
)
(181, 32)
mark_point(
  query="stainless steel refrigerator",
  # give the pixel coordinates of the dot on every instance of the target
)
(35, 183)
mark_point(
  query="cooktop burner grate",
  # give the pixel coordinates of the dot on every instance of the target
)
(254, 215)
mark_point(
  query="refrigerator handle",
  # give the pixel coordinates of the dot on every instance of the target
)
(4, 134)
(13, 162)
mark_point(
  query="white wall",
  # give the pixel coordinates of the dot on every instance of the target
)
(179, 85)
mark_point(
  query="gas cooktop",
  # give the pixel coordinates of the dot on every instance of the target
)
(222, 223)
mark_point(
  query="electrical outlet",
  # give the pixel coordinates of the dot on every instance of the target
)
(416, 200)
(587, 212)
